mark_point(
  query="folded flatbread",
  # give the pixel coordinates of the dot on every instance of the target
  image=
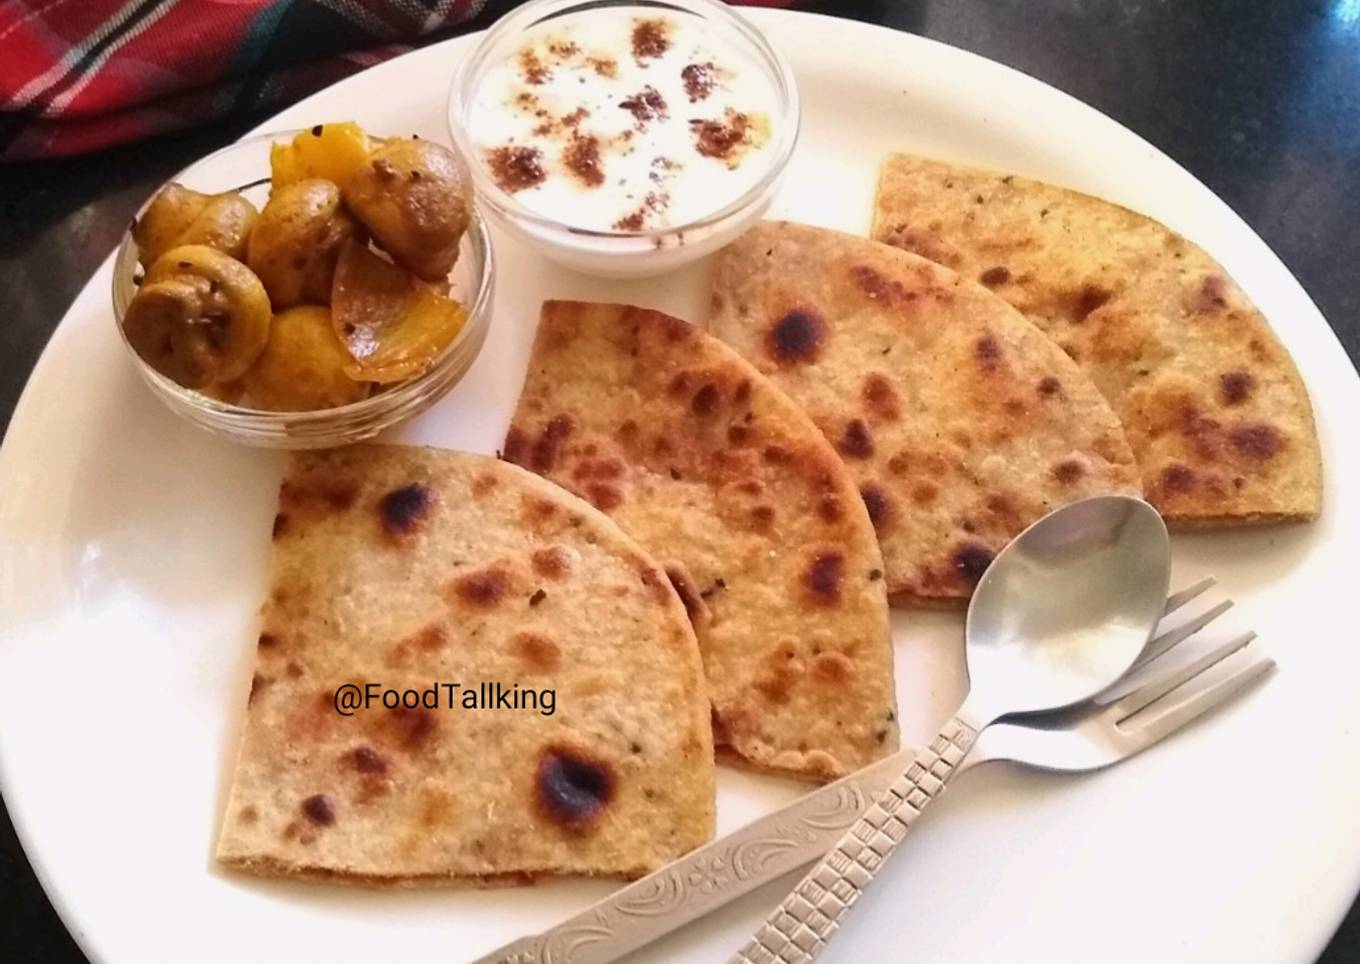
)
(1212, 404)
(960, 421)
(413, 568)
(741, 500)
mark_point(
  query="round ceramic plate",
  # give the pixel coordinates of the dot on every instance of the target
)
(132, 561)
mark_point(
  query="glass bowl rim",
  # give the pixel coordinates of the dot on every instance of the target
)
(531, 14)
(126, 257)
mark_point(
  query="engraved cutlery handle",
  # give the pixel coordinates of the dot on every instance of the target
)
(709, 877)
(798, 929)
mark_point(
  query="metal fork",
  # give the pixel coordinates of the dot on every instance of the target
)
(1090, 736)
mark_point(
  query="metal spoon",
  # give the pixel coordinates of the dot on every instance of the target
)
(1061, 614)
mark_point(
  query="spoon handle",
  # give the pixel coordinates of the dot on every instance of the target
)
(800, 927)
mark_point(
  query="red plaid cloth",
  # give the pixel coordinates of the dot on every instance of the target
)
(80, 75)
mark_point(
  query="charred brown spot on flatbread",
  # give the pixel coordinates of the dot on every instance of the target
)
(995, 277)
(879, 288)
(313, 495)
(1004, 511)
(1235, 387)
(1177, 478)
(543, 453)
(536, 651)
(779, 675)
(319, 809)
(879, 505)
(1086, 300)
(825, 576)
(403, 509)
(1069, 471)
(365, 759)
(830, 510)
(415, 726)
(1049, 387)
(516, 446)
(856, 442)
(762, 518)
(484, 588)
(987, 351)
(483, 485)
(832, 667)
(429, 638)
(604, 496)
(280, 525)
(1211, 295)
(676, 330)
(573, 789)
(797, 336)
(598, 468)
(880, 398)
(971, 560)
(705, 400)
(924, 493)
(552, 562)
(267, 640)
(680, 384)
(1256, 441)
(537, 511)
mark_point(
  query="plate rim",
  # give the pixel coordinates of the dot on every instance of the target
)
(87, 941)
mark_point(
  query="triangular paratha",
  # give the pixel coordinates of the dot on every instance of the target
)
(960, 421)
(413, 568)
(1212, 404)
(740, 498)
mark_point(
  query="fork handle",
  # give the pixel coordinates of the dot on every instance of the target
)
(798, 929)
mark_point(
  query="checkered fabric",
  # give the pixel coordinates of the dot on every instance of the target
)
(80, 75)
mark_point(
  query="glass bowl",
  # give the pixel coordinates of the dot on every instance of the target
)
(244, 166)
(625, 254)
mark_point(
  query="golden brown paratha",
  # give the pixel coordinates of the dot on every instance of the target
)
(960, 421)
(1211, 402)
(410, 568)
(747, 508)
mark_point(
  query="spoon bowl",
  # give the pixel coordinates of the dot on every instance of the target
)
(1061, 614)
(1067, 606)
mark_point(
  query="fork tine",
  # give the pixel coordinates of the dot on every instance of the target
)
(1168, 681)
(1177, 600)
(1206, 699)
(1180, 634)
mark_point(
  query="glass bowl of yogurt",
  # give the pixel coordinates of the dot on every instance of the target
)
(624, 139)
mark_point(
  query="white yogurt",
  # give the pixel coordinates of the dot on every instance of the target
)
(623, 119)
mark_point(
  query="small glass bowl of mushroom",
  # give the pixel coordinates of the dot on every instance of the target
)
(276, 293)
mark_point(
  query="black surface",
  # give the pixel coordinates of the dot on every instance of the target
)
(1260, 100)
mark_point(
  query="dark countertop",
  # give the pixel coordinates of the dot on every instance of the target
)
(1261, 101)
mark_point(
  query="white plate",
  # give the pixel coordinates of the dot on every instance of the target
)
(132, 560)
